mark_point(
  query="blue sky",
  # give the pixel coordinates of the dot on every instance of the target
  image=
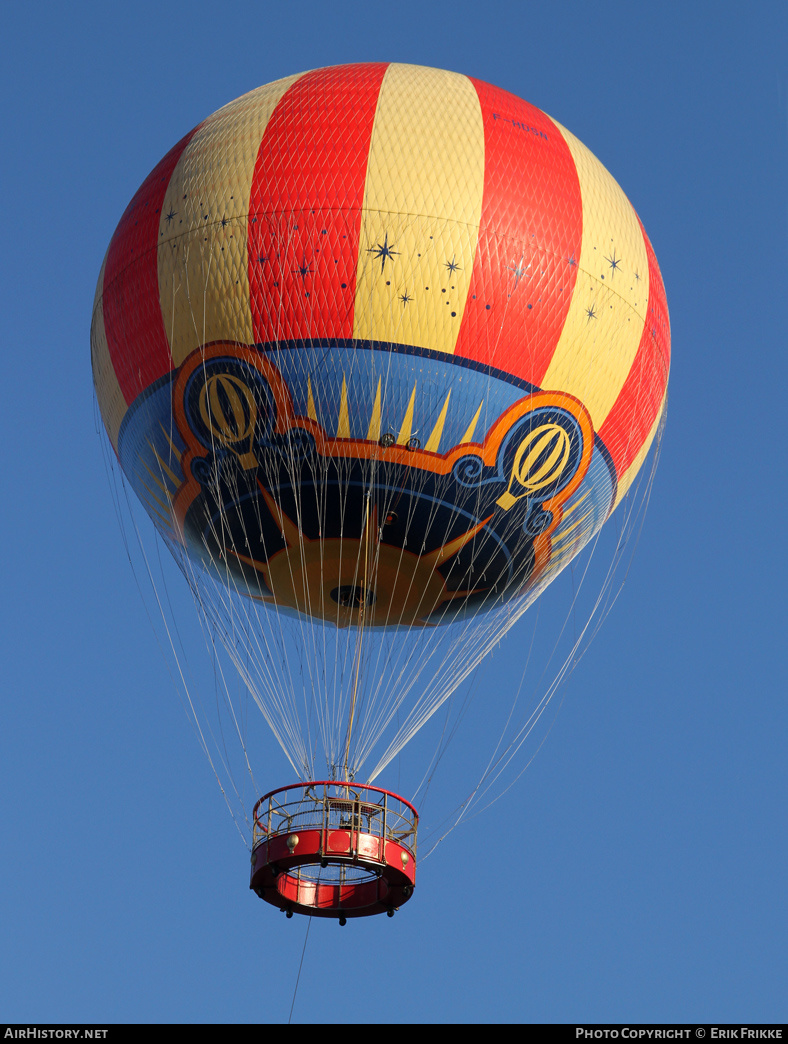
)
(636, 871)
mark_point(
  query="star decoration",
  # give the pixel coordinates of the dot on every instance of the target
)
(571, 261)
(383, 252)
(452, 265)
(590, 313)
(304, 270)
(519, 271)
(171, 215)
(405, 298)
(614, 262)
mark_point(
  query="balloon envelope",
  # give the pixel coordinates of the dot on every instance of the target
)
(379, 347)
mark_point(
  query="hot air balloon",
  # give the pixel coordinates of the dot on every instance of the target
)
(379, 348)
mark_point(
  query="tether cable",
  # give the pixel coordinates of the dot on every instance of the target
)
(300, 966)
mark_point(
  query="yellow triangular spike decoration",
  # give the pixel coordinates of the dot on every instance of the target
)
(343, 425)
(173, 447)
(469, 433)
(562, 536)
(164, 521)
(373, 432)
(435, 436)
(574, 507)
(161, 485)
(311, 412)
(438, 557)
(164, 507)
(407, 421)
(171, 474)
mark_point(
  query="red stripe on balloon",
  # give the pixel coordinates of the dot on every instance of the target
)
(626, 427)
(521, 287)
(305, 204)
(136, 338)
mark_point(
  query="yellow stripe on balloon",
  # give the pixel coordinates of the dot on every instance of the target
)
(629, 475)
(605, 321)
(110, 398)
(421, 211)
(203, 274)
